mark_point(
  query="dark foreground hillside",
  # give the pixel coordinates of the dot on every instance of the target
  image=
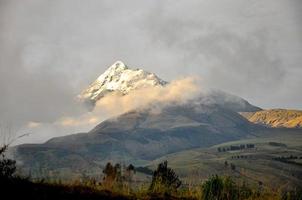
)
(18, 188)
(218, 189)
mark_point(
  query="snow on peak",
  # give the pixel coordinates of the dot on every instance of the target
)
(119, 77)
(117, 66)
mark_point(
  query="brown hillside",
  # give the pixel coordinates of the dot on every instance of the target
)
(276, 118)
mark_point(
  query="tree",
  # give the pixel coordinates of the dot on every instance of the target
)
(112, 175)
(233, 167)
(226, 164)
(164, 179)
(118, 173)
(130, 170)
(109, 171)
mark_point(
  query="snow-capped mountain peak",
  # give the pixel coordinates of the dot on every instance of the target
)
(120, 78)
(117, 67)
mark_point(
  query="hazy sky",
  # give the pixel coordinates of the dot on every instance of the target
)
(51, 50)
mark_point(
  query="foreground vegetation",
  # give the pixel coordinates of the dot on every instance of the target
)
(117, 184)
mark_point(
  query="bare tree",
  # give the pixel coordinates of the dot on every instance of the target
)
(8, 135)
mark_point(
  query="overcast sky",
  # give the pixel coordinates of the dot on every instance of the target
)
(51, 50)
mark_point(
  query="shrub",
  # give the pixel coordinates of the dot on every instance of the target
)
(212, 188)
(218, 188)
(292, 195)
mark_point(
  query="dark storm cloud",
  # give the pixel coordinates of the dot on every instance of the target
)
(51, 50)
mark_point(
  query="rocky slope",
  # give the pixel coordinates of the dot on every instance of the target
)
(276, 118)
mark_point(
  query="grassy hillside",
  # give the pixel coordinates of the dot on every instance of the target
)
(276, 118)
(269, 159)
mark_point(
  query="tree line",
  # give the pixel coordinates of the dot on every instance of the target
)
(235, 147)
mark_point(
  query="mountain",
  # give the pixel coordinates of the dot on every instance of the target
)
(119, 78)
(122, 79)
(276, 118)
(145, 133)
(138, 137)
